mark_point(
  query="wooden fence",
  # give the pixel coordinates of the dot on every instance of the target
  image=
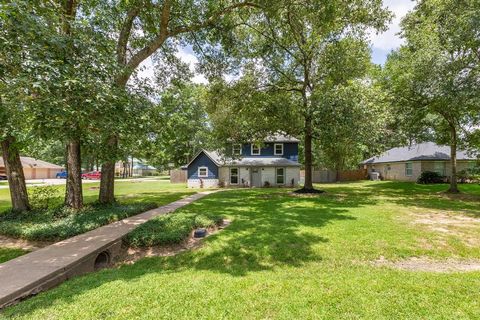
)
(325, 175)
(178, 176)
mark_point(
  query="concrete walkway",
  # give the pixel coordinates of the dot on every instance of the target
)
(49, 266)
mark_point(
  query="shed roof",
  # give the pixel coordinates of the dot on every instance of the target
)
(28, 162)
(421, 151)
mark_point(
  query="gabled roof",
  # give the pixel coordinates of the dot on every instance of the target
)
(28, 162)
(421, 151)
(213, 155)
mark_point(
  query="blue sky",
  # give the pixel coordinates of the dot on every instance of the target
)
(385, 42)
(382, 44)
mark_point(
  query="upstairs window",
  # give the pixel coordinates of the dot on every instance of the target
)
(278, 149)
(409, 169)
(255, 150)
(237, 149)
(203, 172)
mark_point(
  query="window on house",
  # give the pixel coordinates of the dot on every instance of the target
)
(255, 150)
(280, 173)
(233, 175)
(203, 172)
(237, 149)
(278, 149)
(439, 167)
(409, 169)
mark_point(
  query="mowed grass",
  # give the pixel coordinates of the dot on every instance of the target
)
(10, 253)
(290, 257)
(55, 224)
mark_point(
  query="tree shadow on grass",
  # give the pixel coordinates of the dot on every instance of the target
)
(430, 196)
(266, 233)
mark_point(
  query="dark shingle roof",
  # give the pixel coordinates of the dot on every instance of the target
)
(421, 151)
(280, 137)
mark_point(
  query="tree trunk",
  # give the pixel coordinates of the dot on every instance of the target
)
(131, 167)
(74, 192)
(15, 175)
(308, 154)
(107, 182)
(453, 158)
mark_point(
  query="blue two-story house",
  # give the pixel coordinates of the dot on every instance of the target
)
(273, 163)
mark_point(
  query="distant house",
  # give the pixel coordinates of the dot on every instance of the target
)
(407, 163)
(35, 169)
(134, 167)
(274, 163)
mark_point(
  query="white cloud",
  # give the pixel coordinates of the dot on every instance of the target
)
(186, 55)
(389, 39)
(147, 69)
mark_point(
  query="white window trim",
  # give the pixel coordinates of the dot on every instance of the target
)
(259, 150)
(283, 175)
(275, 149)
(238, 175)
(411, 174)
(200, 175)
(239, 145)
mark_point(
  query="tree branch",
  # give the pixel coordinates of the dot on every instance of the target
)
(211, 21)
(125, 35)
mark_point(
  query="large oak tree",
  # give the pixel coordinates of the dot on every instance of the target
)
(434, 78)
(297, 50)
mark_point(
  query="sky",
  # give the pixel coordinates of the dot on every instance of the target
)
(382, 43)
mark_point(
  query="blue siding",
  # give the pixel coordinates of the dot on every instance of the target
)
(202, 161)
(290, 150)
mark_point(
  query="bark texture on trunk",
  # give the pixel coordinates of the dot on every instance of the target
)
(107, 182)
(453, 158)
(308, 154)
(74, 192)
(15, 175)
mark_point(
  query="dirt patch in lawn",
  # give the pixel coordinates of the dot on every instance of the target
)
(460, 196)
(7, 242)
(131, 255)
(430, 265)
(439, 219)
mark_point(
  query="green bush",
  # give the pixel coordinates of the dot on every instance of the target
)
(44, 197)
(60, 223)
(430, 177)
(169, 229)
(470, 175)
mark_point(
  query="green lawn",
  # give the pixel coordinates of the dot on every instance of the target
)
(288, 257)
(56, 224)
(10, 253)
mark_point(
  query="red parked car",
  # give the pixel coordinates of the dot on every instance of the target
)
(92, 175)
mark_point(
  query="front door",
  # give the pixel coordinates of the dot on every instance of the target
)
(256, 177)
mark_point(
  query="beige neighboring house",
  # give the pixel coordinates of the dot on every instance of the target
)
(36, 169)
(407, 163)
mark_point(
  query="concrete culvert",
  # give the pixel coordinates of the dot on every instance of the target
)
(102, 260)
(200, 233)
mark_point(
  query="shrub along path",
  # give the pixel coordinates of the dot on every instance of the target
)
(28, 274)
